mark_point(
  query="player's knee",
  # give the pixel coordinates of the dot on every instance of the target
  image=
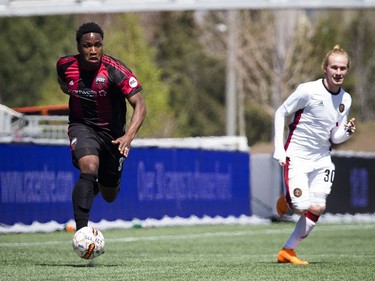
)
(317, 209)
(89, 164)
(109, 185)
(109, 194)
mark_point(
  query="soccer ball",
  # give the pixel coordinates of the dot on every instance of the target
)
(88, 242)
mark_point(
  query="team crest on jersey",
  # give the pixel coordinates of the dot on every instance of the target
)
(100, 82)
(341, 107)
(297, 192)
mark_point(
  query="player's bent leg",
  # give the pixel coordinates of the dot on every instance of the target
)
(109, 182)
(109, 193)
(281, 205)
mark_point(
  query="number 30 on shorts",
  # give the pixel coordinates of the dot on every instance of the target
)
(329, 175)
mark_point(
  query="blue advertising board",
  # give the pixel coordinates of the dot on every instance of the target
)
(36, 183)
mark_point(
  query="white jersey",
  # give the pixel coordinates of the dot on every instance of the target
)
(319, 119)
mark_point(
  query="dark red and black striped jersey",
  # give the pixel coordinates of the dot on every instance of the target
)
(98, 98)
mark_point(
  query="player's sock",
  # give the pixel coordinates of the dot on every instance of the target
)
(82, 197)
(304, 226)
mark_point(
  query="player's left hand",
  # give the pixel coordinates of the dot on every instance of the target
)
(123, 145)
(350, 126)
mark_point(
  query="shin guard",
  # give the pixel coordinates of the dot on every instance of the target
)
(82, 197)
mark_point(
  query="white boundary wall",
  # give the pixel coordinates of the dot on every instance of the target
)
(266, 184)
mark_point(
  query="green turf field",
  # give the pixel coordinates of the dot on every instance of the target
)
(215, 252)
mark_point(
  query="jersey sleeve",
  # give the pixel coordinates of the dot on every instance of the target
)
(60, 69)
(130, 86)
(339, 134)
(279, 152)
(296, 101)
(122, 76)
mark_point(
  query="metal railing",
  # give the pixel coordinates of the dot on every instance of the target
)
(17, 127)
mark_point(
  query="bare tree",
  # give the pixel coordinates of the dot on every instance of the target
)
(364, 64)
(273, 55)
(272, 50)
(278, 49)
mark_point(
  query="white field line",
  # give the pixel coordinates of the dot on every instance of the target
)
(326, 228)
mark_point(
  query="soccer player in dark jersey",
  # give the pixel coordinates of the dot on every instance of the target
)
(98, 86)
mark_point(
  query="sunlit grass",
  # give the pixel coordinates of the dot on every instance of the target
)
(215, 252)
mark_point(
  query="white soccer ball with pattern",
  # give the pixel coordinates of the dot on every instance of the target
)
(88, 242)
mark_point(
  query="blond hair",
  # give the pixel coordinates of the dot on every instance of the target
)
(337, 50)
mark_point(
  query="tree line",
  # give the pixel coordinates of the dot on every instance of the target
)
(181, 58)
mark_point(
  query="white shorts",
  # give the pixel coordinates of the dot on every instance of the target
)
(308, 182)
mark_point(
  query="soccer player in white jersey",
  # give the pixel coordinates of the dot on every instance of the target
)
(320, 117)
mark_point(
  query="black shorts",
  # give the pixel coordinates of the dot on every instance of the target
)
(86, 141)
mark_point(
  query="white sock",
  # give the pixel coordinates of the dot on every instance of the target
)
(303, 228)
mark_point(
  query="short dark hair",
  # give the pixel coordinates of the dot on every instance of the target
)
(87, 28)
